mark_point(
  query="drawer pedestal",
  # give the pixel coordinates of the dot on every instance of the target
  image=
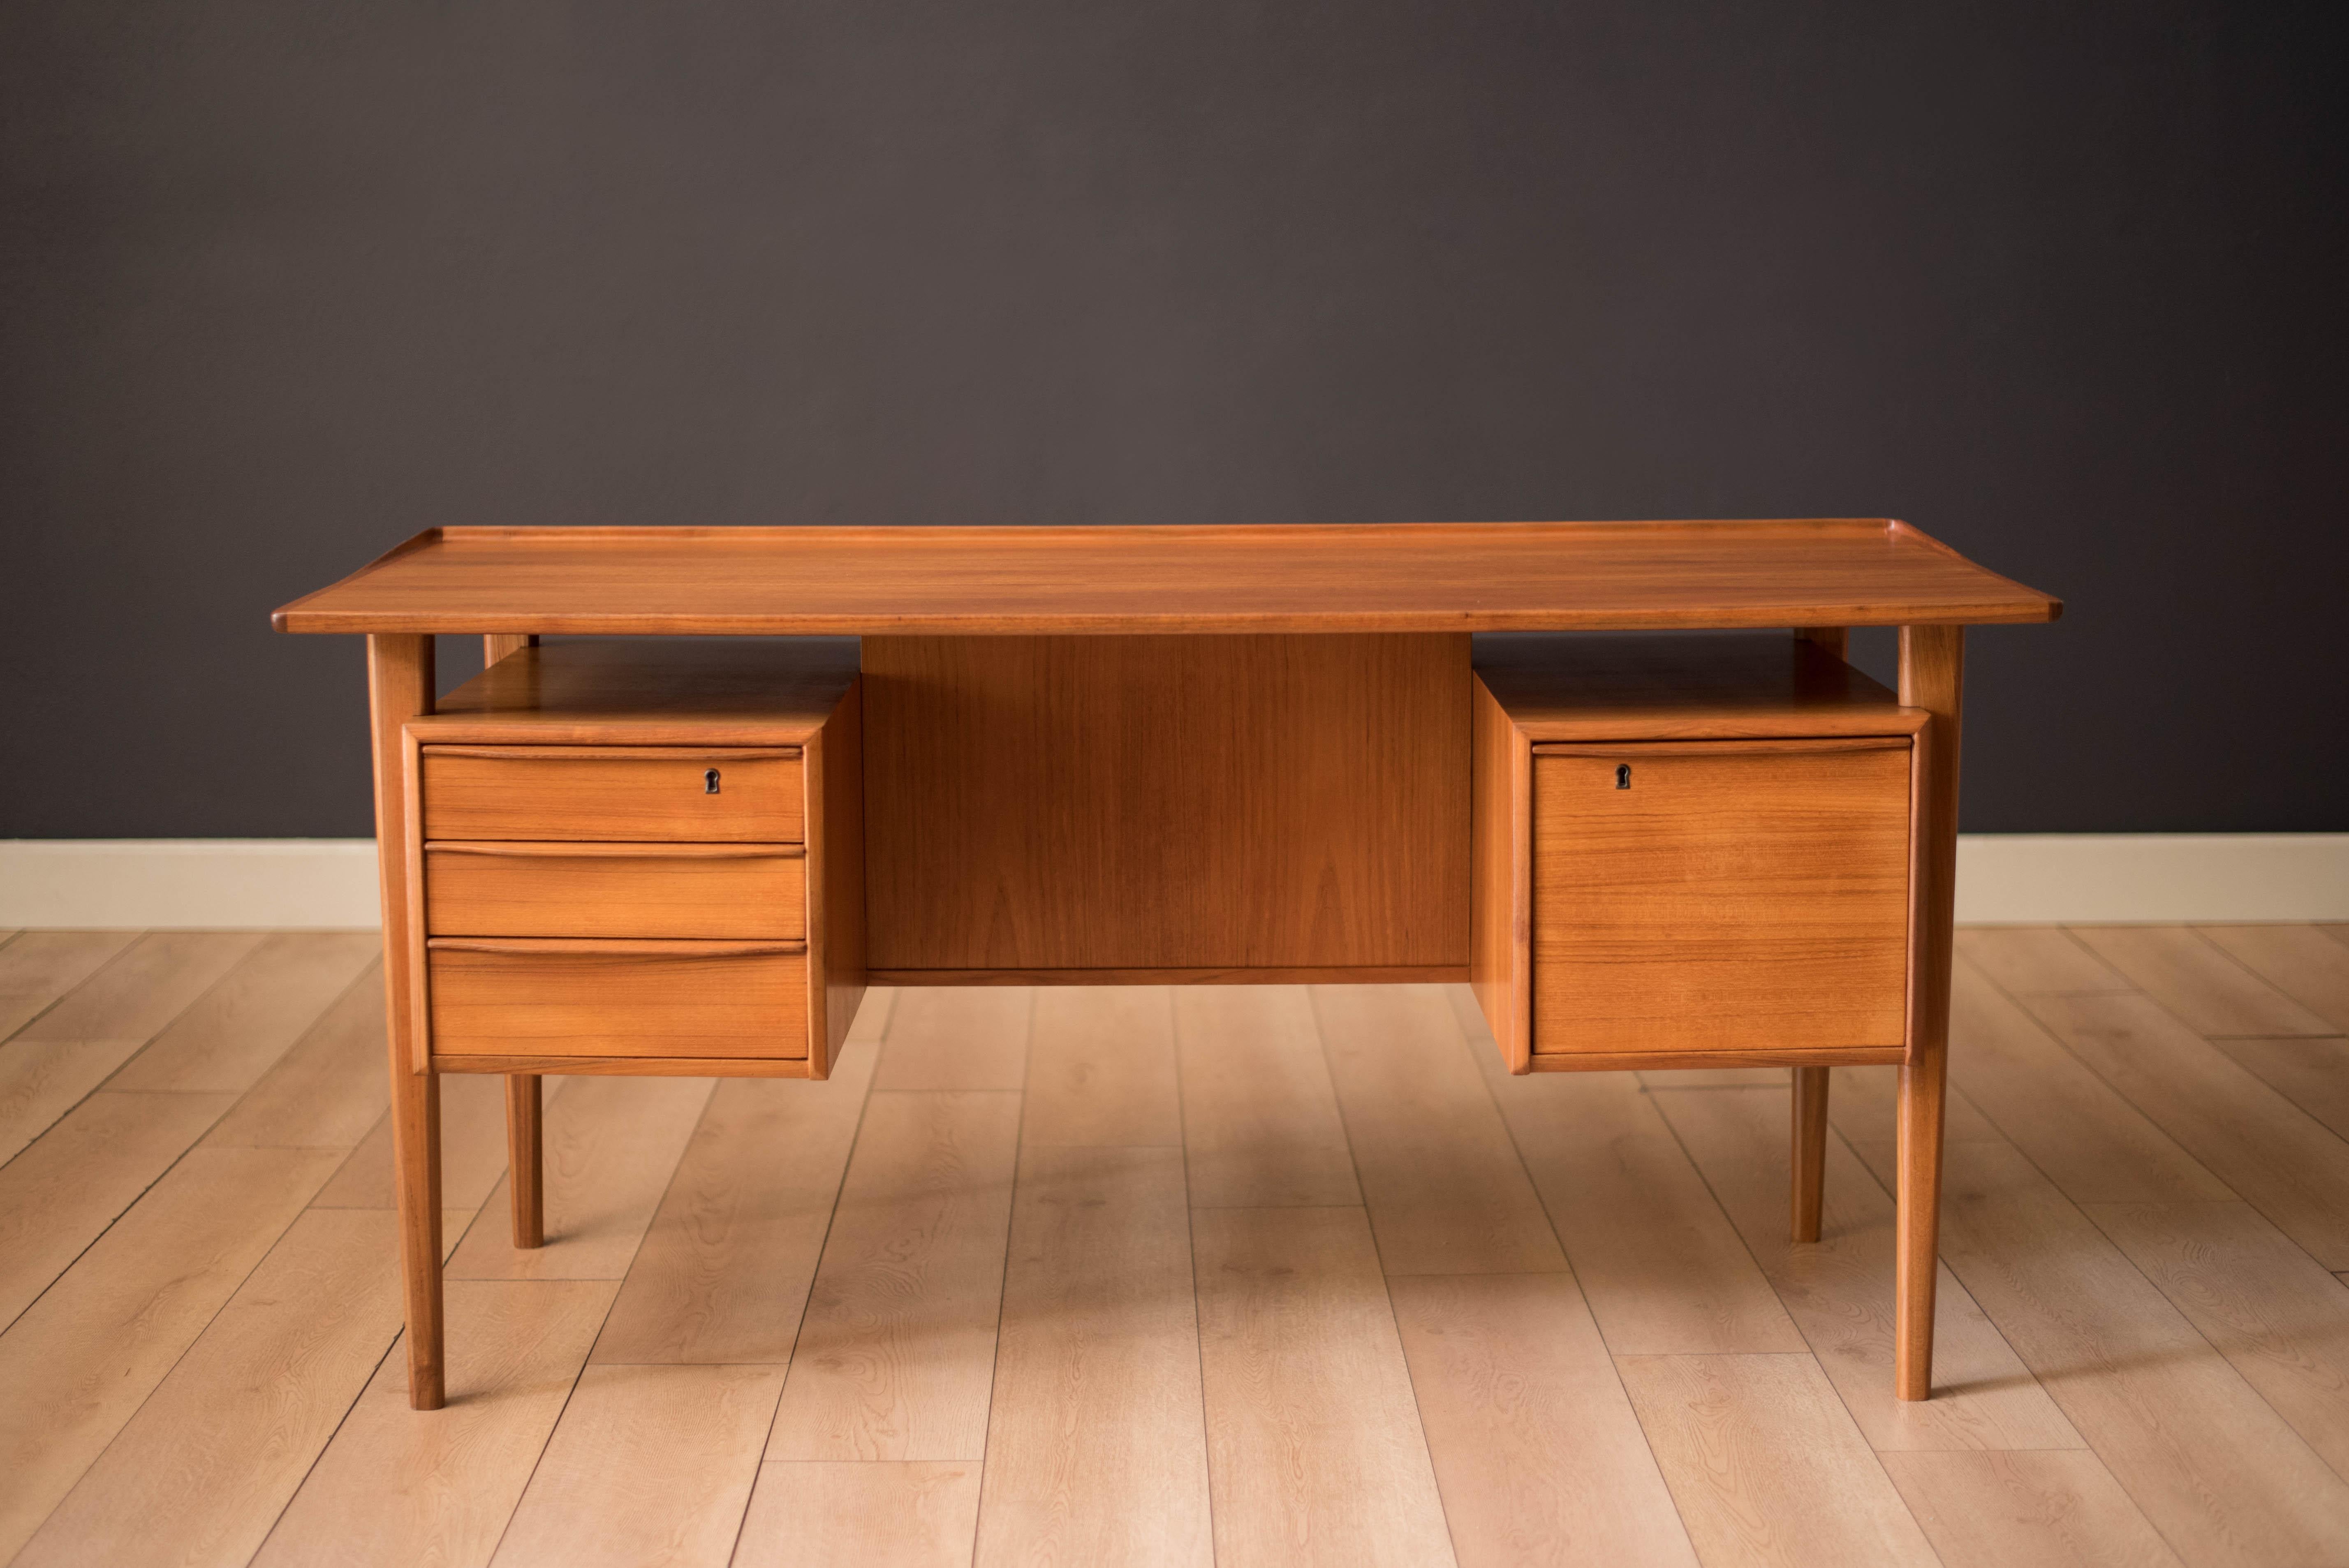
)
(638, 858)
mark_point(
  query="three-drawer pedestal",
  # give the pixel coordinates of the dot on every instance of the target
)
(640, 858)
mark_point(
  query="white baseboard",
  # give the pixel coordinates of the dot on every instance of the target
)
(218, 884)
(2020, 879)
(2118, 879)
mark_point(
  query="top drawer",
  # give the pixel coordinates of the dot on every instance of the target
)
(618, 793)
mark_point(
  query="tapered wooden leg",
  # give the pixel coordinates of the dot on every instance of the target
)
(400, 688)
(526, 1162)
(1917, 1229)
(1932, 677)
(1810, 1149)
(415, 1174)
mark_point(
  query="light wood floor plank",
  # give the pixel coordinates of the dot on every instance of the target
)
(1445, 1190)
(1663, 1270)
(2050, 1510)
(2220, 1474)
(472, 1148)
(2026, 959)
(1096, 1445)
(1313, 1437)
(1317, 1431)
(1471, 1018)
(723, 1274)
(42, 1080)
(83, 1357)
(872, 1020)
(2268, 1307)
(2269, 1150)
(1536, 1450)
(611, 1145)
(52, 1062)
(2098, 1148)
(1101, 1067)
(143, 987)
(1839, 1288)
(872, 1514)
(896, 1353)
(60, 1194)
(2191, 976)
(2300, 961)
(1766, 1465)
(956, 1038)
(37, 967)
(200, 1474)
(326, 1092)
(397, 1486)
(1260, 1121)
(2311, 1074)
(228, 1036)
(650, 1466)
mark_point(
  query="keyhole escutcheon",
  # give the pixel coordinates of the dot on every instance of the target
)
(709, 782)
(1622, 776)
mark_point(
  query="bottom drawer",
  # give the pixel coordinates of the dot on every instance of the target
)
(581, 998)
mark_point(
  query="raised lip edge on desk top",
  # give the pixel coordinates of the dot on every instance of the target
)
(2023, 605)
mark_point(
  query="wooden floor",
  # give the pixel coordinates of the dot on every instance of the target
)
(1230, 1275)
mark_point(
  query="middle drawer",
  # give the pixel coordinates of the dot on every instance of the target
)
(718, 892)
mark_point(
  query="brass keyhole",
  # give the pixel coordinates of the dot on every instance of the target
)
(1622, 776)
(709, 782)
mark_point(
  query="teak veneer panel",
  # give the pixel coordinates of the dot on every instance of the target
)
(1376, 577)
(1500, 913)
(1156, 803)
(1738, 895)
(833, 759)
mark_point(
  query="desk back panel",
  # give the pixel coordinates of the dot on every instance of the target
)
(1230, 808)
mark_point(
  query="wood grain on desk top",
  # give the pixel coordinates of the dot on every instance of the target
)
(1369, 577)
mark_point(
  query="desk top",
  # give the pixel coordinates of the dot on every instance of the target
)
(1351, 577)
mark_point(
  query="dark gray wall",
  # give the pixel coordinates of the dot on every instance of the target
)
(283, 282)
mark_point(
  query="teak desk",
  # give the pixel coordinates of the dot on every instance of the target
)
(1106, 755)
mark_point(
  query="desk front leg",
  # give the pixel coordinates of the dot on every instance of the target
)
(1932, 677)
(400, 688)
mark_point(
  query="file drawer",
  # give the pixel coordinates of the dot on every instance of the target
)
(1721, 896)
